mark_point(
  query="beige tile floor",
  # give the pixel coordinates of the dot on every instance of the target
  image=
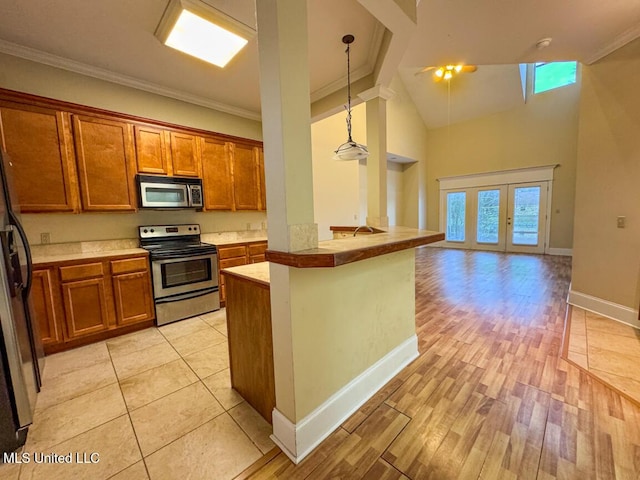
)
(155, 404)
(608, 349)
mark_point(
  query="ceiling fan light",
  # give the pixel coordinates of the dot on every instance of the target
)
(458, 68)
(439, 72)
(448, 75)
(351, 151)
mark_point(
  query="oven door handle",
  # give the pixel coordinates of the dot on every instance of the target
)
(186, 296)
(181, 257)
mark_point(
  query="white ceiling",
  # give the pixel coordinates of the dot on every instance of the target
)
(115, 40)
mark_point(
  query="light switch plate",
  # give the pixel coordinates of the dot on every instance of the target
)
(622, 222)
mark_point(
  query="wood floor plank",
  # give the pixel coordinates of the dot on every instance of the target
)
(489, 396)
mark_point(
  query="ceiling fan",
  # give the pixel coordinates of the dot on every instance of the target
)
(447, 72)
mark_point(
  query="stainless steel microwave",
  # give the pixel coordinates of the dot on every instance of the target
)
(169, 192)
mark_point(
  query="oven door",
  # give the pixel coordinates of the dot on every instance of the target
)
(164, 195)
(175, 276)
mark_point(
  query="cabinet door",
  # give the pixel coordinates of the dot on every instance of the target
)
(216, 174)
(38, 141)
(85, 303)
(133, 299)
(105, 153)
(152, 154)
(246, 190)
(263, 187)
(45, 298)
(257, 252)
(184, 155)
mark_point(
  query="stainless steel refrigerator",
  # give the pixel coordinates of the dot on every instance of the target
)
(21, 353)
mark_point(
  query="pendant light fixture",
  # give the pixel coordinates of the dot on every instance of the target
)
(350, 150)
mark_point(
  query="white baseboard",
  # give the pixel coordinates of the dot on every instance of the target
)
(565, 252)
(604, 308)
(297, 440)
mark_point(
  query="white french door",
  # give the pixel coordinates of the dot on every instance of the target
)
(509, 218)
(526, 217)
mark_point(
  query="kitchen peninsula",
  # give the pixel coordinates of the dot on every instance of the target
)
(357, 305)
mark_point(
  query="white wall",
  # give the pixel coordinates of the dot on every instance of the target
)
(339, 188)
(541, 132)
(606, 259)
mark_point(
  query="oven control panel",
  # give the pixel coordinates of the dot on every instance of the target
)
(167, 231)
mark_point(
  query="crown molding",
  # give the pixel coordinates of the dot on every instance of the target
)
(45, 58)
(377, 91)
(620, 41)
(358, 73)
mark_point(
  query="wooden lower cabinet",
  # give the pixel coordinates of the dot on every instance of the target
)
(85, 305)
(251, 343)
(82, 302)
(234, 255)
(132, 291)
(47, 305)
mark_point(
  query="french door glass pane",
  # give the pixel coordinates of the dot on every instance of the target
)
(456, 206)
(488, 216)
(526, 215)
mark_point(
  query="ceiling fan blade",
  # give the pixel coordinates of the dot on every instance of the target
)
(469, 68)
(424, 70)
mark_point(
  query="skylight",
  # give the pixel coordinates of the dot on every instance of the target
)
(548, 76)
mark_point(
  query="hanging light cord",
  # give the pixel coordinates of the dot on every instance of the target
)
(349, 93)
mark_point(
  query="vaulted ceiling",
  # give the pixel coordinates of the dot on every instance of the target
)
(115, 40)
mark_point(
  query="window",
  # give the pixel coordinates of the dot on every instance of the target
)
(548, 76)
(456, 216)
(488, 223)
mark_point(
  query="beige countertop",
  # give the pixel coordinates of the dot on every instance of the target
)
(229, 238)
(44, 259)
(257, 272)
(64, 252)
(332, 253)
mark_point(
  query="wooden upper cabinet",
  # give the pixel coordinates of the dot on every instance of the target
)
(152, 153)
(246, 189)
(106, 163)
(216, 174)
(38, 141)
(184, 155)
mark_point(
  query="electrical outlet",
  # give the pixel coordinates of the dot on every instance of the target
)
(622, 222)
(45, 238)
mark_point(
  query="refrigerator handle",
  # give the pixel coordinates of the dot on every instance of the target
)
(27, 251)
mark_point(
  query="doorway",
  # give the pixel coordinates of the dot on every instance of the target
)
(506, 217)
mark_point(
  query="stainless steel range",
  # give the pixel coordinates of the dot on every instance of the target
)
(184, 271)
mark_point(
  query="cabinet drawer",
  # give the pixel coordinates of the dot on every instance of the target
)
(257, 248)
(128, 265)
(232, 262)
(81, 272)
(231, 252)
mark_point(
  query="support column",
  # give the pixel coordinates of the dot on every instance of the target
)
(376, 99)
(286, 124)
(286, 128)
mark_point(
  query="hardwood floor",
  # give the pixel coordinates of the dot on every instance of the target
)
(489, 397)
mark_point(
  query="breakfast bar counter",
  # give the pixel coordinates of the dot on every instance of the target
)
(333, 253)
